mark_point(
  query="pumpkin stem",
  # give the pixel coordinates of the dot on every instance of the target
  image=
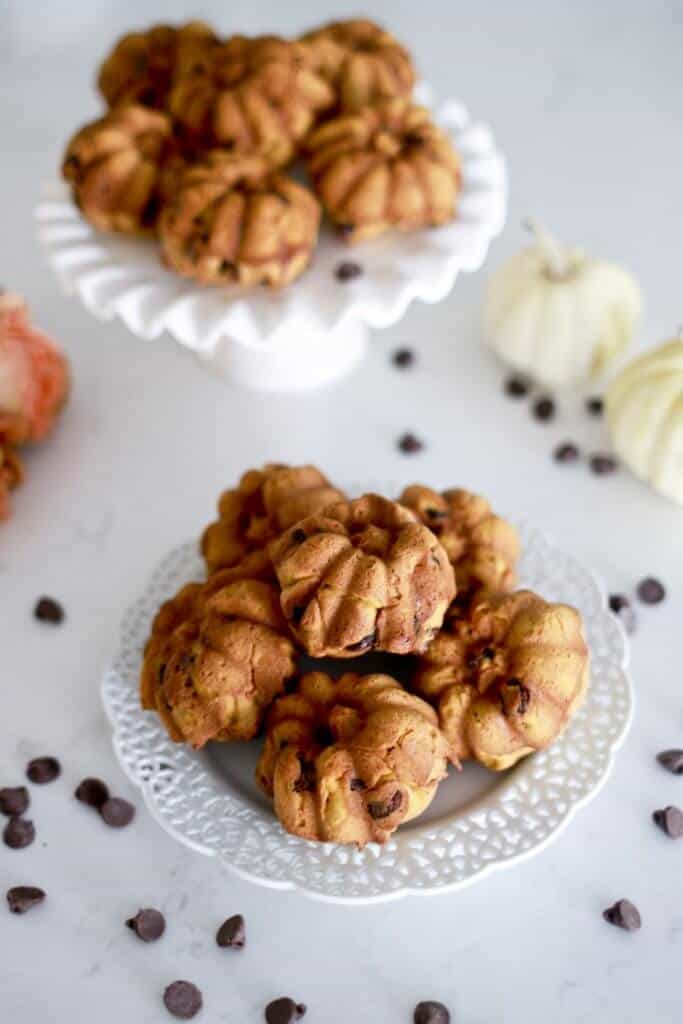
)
(556, 257)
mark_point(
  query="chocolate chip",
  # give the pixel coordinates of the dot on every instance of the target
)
(298, 536)
(517, 387)
(670, 820)
(232, 933)
(431, 1012)
(672, 760)
(307, 778)
(347, 270)
(409, 444)
(23, 897)
(117, 813)
(524, 697)
(650, 591)
(284, 1011)
(183, 999)
(323, 736)
(543, 408)
(624, 915)
(150, 211)
(297, 614)
(49, 610)
(357, 784)
(42, 770)
(595, 405)
(19, 832)
(566, 452)
(92, 792)
(365, 644)
(602, 465)
(378, 809)
(621, 606)
(14, 801)
(403, 358)
(148, 924)
(434, 514)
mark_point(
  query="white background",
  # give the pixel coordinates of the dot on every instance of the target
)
(586, 102)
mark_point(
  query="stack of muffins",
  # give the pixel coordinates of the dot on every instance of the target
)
(294, 568)
(199, 131)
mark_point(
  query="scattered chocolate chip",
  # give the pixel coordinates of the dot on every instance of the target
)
(232, 933)
(347, 270)
(672, 760)
(92, 792)
(298, 536)
(650, 591)
(14, 801)
(378, 809)
(624, 915)
(183, 999)
(622, 607)
(543, 409)
(117, 813)
(19, 832)
(595, 405)
(284, 1011)
(602, 465)
(23, 897)
(42, 770)
(431, 1012)
(148, 924)
(517, 387)
(365, 644)
(434, 514)
(307, 777)
(297, 614)
(403, 358)
(409, 444)
(357, 784)
(566, 452)
(524, 695)
(323, 736)
(670, 820)
(49, 610)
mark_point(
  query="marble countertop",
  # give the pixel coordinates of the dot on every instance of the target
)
(585, 102)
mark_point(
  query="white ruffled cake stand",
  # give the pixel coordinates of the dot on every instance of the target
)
(317, 329)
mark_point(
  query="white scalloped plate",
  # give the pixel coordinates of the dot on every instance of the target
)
(312, 331)
(478, 821)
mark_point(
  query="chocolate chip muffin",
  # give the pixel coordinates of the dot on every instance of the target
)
(233, 221)
(362, 575)
(506, 676)
(217, 657)
(482, 548)
(114, 167)
(363, 62)
(257, 96)
(386, 166)
(348, 761)
(265, 502)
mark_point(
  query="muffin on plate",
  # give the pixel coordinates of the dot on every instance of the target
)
(348, 761)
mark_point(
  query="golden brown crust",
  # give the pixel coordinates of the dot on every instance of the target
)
(351, 760)
(387, 166)
(265, 502)
(362, 575)
(482, 548)
(364, 63)
(142, 66)
(506, 676)
(114, 166)
(257, 96)
(233, 221)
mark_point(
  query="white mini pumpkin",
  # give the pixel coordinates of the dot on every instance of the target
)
(645, 417)
(558, 316)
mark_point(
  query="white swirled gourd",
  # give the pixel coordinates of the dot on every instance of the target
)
(558, 316)
(645, 417)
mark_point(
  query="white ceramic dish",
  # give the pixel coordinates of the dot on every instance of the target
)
(478, 821)
(314, 331)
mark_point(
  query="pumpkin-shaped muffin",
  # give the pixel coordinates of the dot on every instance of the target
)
(362, 575)
(264, 503)
(258, 95)
(235, 221)
(143, 65)
(11, 476)
(387, 166)
(363, 62)
(506, 677)
(348, 761)
(483, 548)
(114, 166)
(217, 657)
